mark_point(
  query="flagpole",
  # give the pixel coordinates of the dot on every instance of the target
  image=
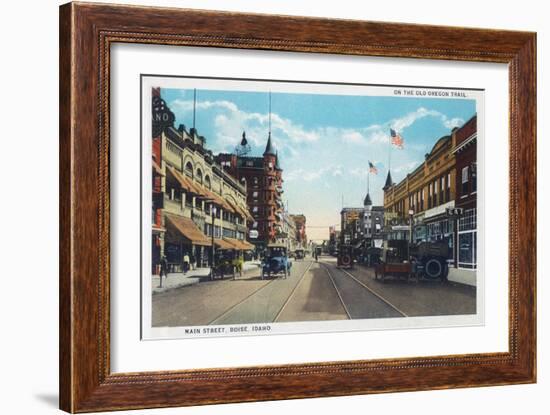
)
(389, 154)
(368, 181)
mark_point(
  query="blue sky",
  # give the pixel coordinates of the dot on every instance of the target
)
(324, 141)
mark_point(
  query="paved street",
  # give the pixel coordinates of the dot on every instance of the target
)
(314, 291)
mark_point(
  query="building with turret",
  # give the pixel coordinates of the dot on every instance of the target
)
(263, 178)
(373, 222)
(437, 201)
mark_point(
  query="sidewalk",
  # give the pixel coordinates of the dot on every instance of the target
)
(179, 279)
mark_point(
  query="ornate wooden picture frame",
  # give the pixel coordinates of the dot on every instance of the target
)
(87, 32)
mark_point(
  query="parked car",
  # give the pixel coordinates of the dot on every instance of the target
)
(276, 261)
(225, 264)
(345, 256)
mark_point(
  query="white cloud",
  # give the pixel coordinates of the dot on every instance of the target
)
(353, 136)
(290, 137)
(232, 121)
(312, 175)
(406, 167)
(453, 122)
(401, 123)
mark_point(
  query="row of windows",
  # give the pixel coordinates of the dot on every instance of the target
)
(218, 230)
(438, 193)
(258, 211)
(175, 194)
(250, 163)
(262, 227)
(268, 181)
(266, 196)
(198, 175)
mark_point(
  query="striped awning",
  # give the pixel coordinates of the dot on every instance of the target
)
(187, 228)
(224, 244)
(185, 182)
(240, 244)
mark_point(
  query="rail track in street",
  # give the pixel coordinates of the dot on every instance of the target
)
(359, 300)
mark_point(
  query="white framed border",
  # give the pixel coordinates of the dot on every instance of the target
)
(130, 354)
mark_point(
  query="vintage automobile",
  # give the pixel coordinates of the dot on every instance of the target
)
(345, 257)
(225, 265)
(402, 259)
(276, 261)
(299, 254)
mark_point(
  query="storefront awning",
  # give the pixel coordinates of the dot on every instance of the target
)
(218, 200)
(223, 244)
(247, 246)
(185, 182)
(239, 244)
(187, 228)
(200, 191)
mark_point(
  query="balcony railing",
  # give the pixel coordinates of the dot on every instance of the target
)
(173, 206)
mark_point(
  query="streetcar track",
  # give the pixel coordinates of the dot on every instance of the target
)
(292, 293)
(371, 291)
(337, 292)
(234, 306)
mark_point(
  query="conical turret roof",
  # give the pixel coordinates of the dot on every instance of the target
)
(367, 201)
(269, 151)
(389, 181)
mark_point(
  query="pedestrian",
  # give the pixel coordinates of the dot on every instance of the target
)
(186, 263)
(193, 261)
(163, 269)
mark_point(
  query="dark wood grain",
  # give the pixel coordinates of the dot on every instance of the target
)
(86, 33)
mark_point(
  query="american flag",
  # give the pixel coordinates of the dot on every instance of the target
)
(372, 168)
(396, 139)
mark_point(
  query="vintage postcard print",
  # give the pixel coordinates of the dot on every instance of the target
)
(278, 207)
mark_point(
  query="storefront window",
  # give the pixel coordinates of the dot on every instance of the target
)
(466, 250)
(467, 240)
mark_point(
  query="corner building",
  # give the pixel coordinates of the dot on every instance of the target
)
(195, 203)
(439, 198)
(263, 179)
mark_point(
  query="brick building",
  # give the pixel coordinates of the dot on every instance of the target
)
(194, 201)
(262, 177)
(445, 182)
(300, 227)
(158, 230)
(424, 195)
(465, 152)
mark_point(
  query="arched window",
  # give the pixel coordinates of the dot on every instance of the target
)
(199, 176)
(189, 168)
(207, 182)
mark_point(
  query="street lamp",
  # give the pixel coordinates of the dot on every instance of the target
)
(212, 263)
(411, 213)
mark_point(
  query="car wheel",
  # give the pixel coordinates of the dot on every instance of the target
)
(433, 268)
